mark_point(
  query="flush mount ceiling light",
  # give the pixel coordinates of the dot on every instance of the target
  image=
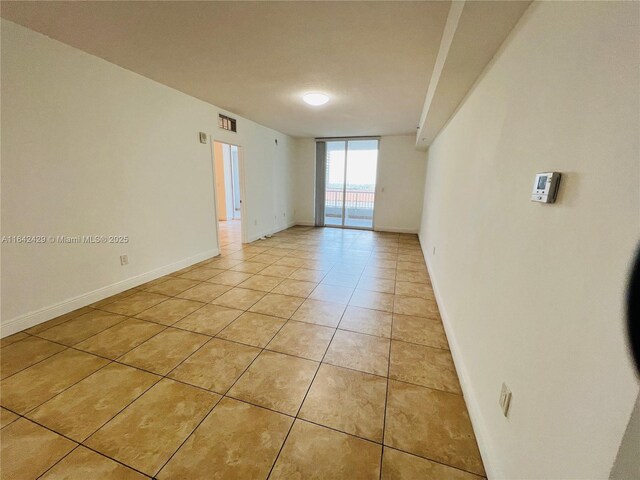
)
(316, 99)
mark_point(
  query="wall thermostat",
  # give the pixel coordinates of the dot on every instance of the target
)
(545, 187)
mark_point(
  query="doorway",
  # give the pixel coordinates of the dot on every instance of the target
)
(350, 182)
(228, 188)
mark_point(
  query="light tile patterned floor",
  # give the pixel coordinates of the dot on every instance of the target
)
(314, 354)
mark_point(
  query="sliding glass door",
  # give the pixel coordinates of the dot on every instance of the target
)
(350, 183)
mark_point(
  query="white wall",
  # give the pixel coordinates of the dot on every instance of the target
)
(532, 294)
(89, 148)
(400, 184)
(399, 190)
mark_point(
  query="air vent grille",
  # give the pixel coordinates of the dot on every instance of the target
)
(227, 123)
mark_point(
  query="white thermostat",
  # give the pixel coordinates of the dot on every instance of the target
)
(545, 187)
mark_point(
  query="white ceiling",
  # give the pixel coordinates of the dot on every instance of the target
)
(256, 59)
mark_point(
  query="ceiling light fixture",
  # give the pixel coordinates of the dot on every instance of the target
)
(316, 99)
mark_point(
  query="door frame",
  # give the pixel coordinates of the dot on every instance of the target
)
(241, 181)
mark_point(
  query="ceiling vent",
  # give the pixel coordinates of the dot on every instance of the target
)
(227, 123)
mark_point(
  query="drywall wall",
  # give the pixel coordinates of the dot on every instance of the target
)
(400, 185)
(89, 148)
(399, 189)
(305, 184)
(533, 294)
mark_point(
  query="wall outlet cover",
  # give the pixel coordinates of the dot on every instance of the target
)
(505, 399)
(203, 137)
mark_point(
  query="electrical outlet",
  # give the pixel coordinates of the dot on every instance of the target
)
(124, 260)
(505, 399)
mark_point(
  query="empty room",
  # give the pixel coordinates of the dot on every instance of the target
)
(330, 240)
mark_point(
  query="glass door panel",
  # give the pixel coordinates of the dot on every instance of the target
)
(360, 183)
(334, 189)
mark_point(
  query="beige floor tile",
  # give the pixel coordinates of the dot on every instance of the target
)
(170, 311)
(319, 312)
(296, 288)
(82, 327)
(281, 271)
(357, 351)
(260, 282)
(426, 366)
(308, 275)
(411, 289)
(372, 300)
(224, 263)
(210, 319)
(135, 303)
(424, 331)
(119, 339)
(230, 278)
(364, 320)
(173, 286)
(86, 406)
(150, 430)
(332, 293)
(216, 365)
(412, 266)
(239, 298)
(389, 263)
(415, 277)
(249, 267)
(20, 355)
(291, 262)
(398, 465)
(312, 452)
(165, 351)
(28, 450)
(204, 292)
(384, 273)
(431, 424)
(375, 284)
(202, 273)
(302, 340)
(282, 306)
(276, 381)
(346, 400)
(85, 464)
(417, 307)
(58, 320)
(266, 258)
(31, 387)
(342, 279)
(16, 337)
(252, 329)
(235, 441)
(7, 417)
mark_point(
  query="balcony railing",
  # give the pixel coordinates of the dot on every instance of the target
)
(358, 204)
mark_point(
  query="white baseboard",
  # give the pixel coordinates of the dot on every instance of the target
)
(376, 228)
(477, 419)
(305, 224)
(270, 231)
(30, 319)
